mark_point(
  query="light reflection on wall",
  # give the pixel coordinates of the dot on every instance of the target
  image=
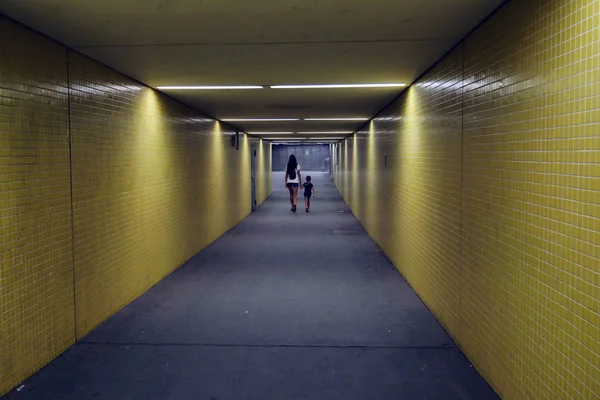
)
(151, 170)
(263, 171)
(371, 178)
(345, 169)
(109, 89)
(355, 174)
(216, 164)
(243, 165)
(412, 190)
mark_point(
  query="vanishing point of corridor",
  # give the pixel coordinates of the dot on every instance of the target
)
(284, 306)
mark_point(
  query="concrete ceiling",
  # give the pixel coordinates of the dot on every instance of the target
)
(263, 42)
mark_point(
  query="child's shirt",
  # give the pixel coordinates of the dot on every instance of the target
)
(307, 189)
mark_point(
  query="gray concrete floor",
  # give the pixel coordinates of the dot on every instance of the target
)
(284, 306)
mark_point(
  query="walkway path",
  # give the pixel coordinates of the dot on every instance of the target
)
(284, 306)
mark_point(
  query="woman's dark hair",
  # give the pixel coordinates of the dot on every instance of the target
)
(292, 164)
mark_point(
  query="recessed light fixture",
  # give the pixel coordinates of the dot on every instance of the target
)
(257, 119)
(327, 132)
(326, 138)
(340, 86)
(202, 120)
(336, 119)
(303, 138)
(286, 138)
(208, 87)
(270, 133)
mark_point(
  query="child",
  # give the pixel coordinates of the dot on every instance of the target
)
(309, 189)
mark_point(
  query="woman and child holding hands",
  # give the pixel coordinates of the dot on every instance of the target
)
(293, 178)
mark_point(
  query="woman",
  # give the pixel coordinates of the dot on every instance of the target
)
(293, 179)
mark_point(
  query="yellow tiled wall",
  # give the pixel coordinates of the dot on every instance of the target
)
(152, 185)
(482, 184)
(36, 258)
(263, 171)
(148, 183)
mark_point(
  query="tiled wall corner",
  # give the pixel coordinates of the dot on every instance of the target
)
(263, 171)
(36, 269)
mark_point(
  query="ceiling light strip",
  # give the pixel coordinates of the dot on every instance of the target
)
(336, 119)
(303, 138)
(209, 87)
(258, 119)
(339, 86)
(326, 132)
(270, 133)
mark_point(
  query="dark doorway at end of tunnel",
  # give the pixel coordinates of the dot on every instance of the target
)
(311, 157)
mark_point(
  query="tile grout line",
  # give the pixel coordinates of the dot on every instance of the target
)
(70, 139)
(461, 256)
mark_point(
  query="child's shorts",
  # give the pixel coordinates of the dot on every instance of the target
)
(307, 198)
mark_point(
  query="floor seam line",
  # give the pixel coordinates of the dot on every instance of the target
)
(264, 345)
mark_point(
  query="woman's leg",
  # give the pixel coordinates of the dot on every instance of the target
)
(294, 195)
(291, 189)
